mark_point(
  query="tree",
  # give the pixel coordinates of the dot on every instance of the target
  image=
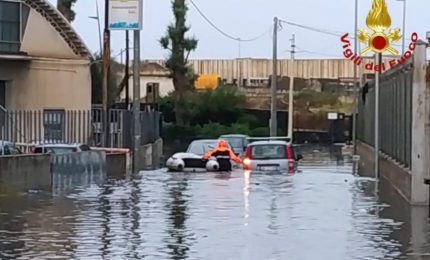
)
(179, 47)
(65, 7)
(97, 77)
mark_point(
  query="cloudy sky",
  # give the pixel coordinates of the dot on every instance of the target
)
(249, 18)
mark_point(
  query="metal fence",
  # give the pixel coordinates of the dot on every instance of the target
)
(395, 113)
(71, 126)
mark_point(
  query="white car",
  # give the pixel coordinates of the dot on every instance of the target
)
(192, 159)
(271, 155)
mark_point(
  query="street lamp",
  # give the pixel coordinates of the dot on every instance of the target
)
(356, 86)
(97, 17)
(404, 24)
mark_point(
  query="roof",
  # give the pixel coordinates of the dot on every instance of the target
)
(60, 23)
(153, 69)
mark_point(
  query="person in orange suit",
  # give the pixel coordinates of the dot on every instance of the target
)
(223, 155)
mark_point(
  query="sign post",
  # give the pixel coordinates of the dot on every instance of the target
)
(128, 15)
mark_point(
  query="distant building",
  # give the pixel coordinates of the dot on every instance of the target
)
(155, 81)
(44, 65)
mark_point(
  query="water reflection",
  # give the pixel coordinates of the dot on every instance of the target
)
(323, 212)
(177, 209)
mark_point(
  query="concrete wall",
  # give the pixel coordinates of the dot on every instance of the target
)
(25, 172)
(398, 176)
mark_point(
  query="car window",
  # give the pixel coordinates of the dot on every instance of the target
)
(38, 150)
(269, 151)
(235, 142)
(62, 150)
(13, 150)
(200, 148)
(4, 150)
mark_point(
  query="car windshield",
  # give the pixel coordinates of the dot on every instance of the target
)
(235, 142)
(200, 148)
(269, 151)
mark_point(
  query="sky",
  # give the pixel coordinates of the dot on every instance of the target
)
(247, 19)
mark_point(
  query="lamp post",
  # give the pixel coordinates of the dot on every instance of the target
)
(356, 86)
(404, 25)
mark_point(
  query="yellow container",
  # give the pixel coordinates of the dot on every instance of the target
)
(207, 81)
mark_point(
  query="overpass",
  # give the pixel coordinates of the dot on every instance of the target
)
(248, 68)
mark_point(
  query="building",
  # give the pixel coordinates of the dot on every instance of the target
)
(45, 74)
(155, 81)
(44, 65)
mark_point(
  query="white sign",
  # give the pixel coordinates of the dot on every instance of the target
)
(125, 14)
(332, 116)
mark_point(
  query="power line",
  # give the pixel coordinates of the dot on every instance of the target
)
(224, 33)
(324, 31)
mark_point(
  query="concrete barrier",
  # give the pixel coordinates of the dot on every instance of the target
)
(157, 153)
(25, 172)
(77, 169)
(399, 177)
(118, 165)
(150, 155)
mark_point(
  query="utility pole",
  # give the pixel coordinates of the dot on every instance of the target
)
(240, 64)
(356, 86)
(377, 80)
(273, 117)
(291, 91)
(127, 69)
(136, 98)
(106, 69)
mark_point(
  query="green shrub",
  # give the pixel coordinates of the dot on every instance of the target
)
(212, 130)
(249, 119)
(173, 132)
(239, 128)
(260, 132)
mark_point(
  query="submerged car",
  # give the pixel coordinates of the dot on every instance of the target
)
(271, 155)
(192, 159)
(59, 148)
(9, 148)
(237, 142)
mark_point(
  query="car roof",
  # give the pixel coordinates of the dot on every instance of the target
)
(234, 135)
(60, 145)
(205, 141)
(2, 142)
(269, 142)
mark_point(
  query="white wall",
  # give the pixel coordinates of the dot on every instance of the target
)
(166, 86)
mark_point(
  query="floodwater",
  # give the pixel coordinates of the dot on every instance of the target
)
(322, 212)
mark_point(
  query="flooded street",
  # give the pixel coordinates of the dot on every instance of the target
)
(322, 212)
